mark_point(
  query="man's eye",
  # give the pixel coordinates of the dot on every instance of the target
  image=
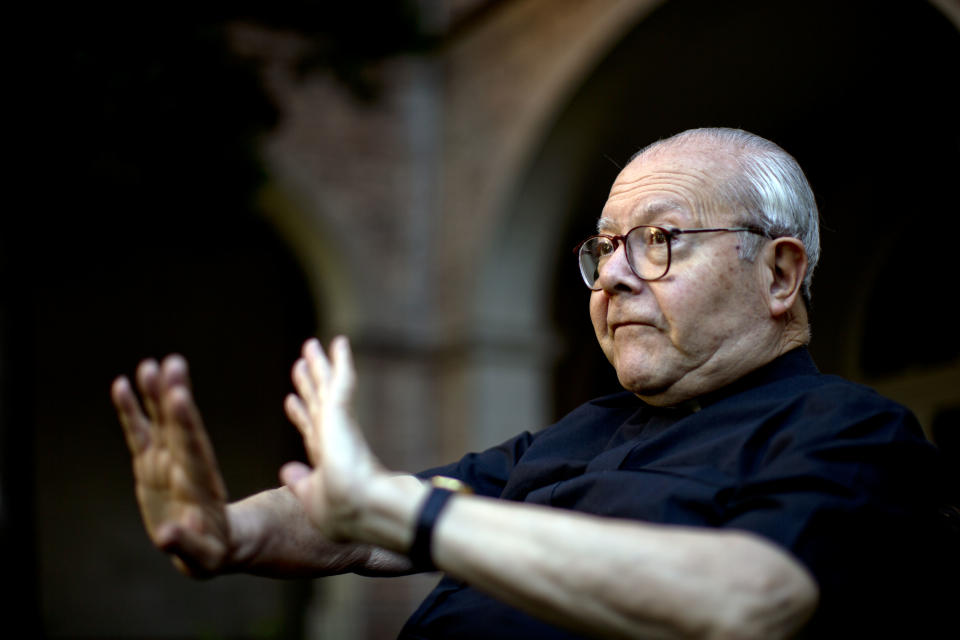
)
(657, 236)
(604, 248)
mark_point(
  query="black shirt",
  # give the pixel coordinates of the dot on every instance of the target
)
(830, 471)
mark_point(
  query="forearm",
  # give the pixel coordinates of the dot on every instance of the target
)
(610, 577)
(272, 536)
(625, 579)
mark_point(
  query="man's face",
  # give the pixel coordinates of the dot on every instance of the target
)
(702, 325)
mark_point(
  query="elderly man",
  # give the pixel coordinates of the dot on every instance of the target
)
(730, 491)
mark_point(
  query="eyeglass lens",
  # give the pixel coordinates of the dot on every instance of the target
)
(648, 252)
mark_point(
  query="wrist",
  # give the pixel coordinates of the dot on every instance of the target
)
(442, 490)
(246, 532)
(388, 508)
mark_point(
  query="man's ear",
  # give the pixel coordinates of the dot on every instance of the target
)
(785, 260)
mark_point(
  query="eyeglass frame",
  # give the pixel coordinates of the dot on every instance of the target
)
(670, 232)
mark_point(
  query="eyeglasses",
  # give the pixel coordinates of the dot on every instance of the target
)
(648, 250)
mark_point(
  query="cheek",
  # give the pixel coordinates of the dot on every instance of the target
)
(598, 317)
(696, 309)
(708, 309)
(598, 313)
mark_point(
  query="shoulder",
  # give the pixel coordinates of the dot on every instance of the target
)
(807, 423)
(792, 394)
(827, 406)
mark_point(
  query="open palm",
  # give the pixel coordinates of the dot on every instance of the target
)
(342, 462)
(179, 488)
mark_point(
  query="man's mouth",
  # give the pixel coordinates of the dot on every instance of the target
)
(631, 323)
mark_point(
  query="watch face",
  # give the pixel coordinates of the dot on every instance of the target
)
(450, 484)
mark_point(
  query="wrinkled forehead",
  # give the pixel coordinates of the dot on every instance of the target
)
(684, 183)
(656, 209)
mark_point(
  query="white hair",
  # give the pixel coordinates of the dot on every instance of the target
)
(769, 187)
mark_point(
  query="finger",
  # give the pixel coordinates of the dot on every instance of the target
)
(292, 473)
(304, 384)
(148, 380)
(135, 425)
(190, 444)
(302, 380)
(338, 403)
(343, 375)
(341, 435)
(297, 414)
(174, 371)
(318, 364)
(195, 554)
(307, 487)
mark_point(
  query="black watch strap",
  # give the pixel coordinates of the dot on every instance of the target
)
(420, 550)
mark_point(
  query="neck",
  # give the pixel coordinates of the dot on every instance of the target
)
(751, 352)
(795, 331)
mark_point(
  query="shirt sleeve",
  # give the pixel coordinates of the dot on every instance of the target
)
(859, 506)
(486, 472)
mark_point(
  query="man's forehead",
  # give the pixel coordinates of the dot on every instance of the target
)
(707, 158)
(685, 179)
(646, 211)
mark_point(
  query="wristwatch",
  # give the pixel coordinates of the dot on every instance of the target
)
(443, 488)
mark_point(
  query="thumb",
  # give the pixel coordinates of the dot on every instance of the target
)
(292, 473)
(306, 485)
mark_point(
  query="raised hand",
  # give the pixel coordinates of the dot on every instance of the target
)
(343, 465)
(179, 488)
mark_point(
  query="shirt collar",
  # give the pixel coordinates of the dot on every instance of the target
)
(796, 362)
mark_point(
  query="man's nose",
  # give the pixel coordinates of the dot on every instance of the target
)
(616, 274)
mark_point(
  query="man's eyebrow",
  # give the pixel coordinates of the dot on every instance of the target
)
(647, 212)
(605, 225)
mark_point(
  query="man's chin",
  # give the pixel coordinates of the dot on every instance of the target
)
(645, 387)
(657, 390)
